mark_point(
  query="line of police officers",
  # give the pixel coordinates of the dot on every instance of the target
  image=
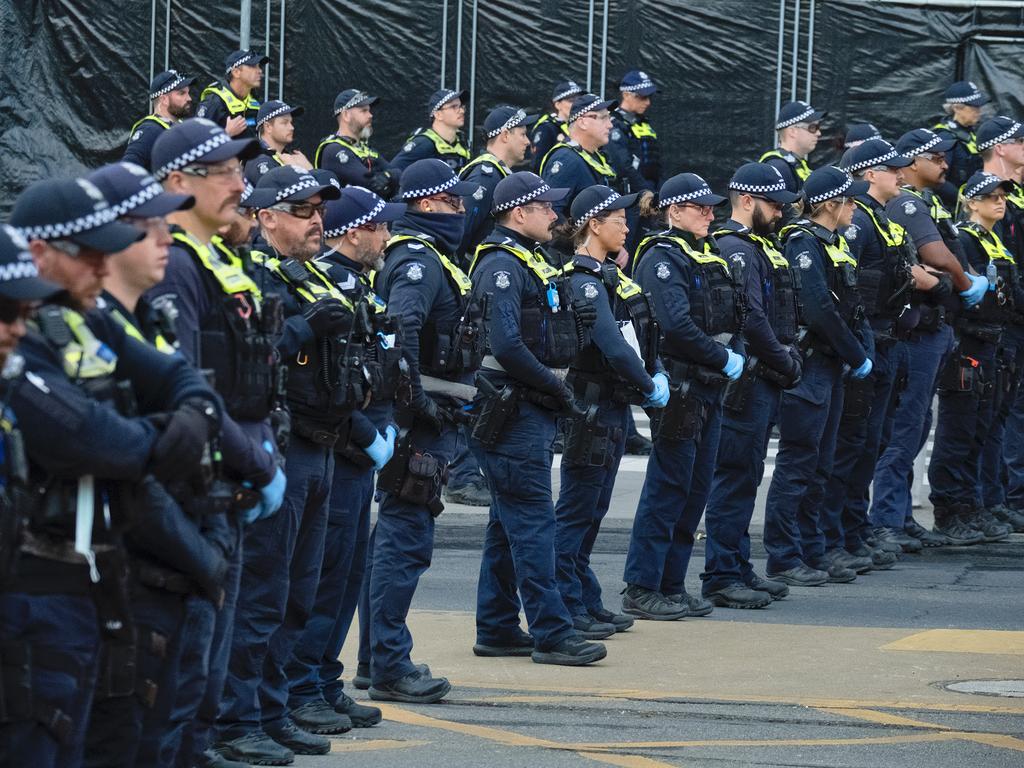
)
(209, 367)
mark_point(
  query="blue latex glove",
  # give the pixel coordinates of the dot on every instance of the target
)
(252, 514)
(659, 397)
(864, 370)
(273, 494)
(974, 294)
(733, 366)
(382, 448)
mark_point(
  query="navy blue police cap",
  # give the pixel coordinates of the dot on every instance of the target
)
(73, 210)
(441, 97)
(762, 180)
(920, 140)
(857, 132)
(132, 191)
(352, 98)
(589, 102)
(325, 176)
(243, 58)
(797, 112)
(997, 130)
(983, 183)
(687, 188)
(168, 81)
(197, 141)
(273, 109)
(19, 277)
(289, 184)
(566, 89)
(429, 177)
(524, 187)
(358, 206)
(505, 118)
(638, 82)
(596, 200)
(873, 153)
(829, 182)
(965, 92)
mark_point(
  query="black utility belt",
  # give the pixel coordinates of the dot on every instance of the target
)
(986, 332)
(593, 386)
(318, 434)
(680, 370)
(158, 577)
(933, 317)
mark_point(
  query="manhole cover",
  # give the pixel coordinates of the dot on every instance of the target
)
(1013, 689)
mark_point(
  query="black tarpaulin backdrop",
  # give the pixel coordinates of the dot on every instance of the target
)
(74, 73)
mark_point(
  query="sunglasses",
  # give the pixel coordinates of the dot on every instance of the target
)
(12, 311)
(812, 128)
(933, 157)
(452, 201)
(704, 210)
(994, 197)
(300, 210)
(213, 171)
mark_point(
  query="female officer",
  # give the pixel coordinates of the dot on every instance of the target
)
(694, 297)
(838, 339)
(618, 366)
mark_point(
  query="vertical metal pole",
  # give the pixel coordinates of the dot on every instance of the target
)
(796, 47)
(472, 77)
(266, 52)
(280, 58)
(444, 40)
(590, 46)
(604, 48)
(778, 62)
(245, 14)
(810, 53)
(458, 49)
(167, 36)
(152, 38)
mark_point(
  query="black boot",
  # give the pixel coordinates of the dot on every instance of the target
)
(361, 715)
(414, 688)
(738, 595)
(571, 652)
(949, 524)
(286, 733)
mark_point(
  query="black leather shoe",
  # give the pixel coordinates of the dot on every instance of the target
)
(880, 559)
(800, 576)
(361, 715)
(1012, 517)
(650, 604)
(286, 733)
(927, 538)
(776, 589)
(414, 688)
(893, 536)
(320, 717)
(620, 621)
(571, 652)
(212, 759)
(694, 605)
(517, 645)
(255, 748)
(470, 495)
(837, 574)
(738, 596)
(982, 520)
(362, 679)
(844, 559)
(590, 628)
(957, 532)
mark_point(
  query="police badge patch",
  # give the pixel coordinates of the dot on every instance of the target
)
(556, 166)
(487, 169)
(616, 134)
(137, 135)
(910, 208)
(415, 246)
(803, 260)
(590, 291)
(851, 232)
(408, 147)
(501, 280)
(263, 168)
(737, 258)
(343, 156)
(662, 271)
(415, 272)
(479, 194)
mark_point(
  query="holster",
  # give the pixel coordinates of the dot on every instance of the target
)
(413, 476)
(588, 443)
(961, 374)
(683, 418)
(932, 318)
(116, 675)
(737, 393)
(497, 407)
(857, 397)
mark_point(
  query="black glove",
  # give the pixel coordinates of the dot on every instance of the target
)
(431, 413)
(796, 370)
(943, 289)
(328, 317)
(179, 448)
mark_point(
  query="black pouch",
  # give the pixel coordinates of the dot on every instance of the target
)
(587, 443)
(737, 393)
(857, 397)
(960, 374)
(682, 419)
(422, 484)
(495, 412)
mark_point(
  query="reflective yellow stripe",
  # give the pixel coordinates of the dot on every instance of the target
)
(838, 252)
(234, 104)
(778, 261)
(159, 342)
(597, 161)
(375, 301)
(1016, 196)
(229, 275)
(705, 257)
(463, 283)
(626, 288)
(990, 243)
(486, 157)
(643, 131)
(153, 118)
(533, 261)
(936, 209)
(960, 133)
(82, 358)
(800, 168)
(318, 286)
(442, 146)
(360, 149)
(896, 234)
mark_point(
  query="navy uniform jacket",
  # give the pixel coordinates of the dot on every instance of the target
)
(565, 168)
(213, 108)
(964, 159)
(786, 166)
(807, 253)
(419, 147)
(374, 173)
(511, 285)
(605, 335)
(978, 259)
(626, 153)
(241, 442)
(547, 131)
(757, 285)
(479, 221)
(865, 243)
(140, 143)
(263, 162)
(911, 212)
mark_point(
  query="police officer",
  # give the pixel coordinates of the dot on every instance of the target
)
(966, 383)
(441, 341)
(71, 399)
(507, 144)
(222, 325)
(757, 194)
(633, 144)
(346, 151)
(697, 308)
(797, 128)
(552, 128)
(930, 226)
(838, 339)
(858, 133)
(885, 280)
(606, 377)
(443, 139)
(231, 105)
(1000, 142)
(962, 104)
(276, 130)
(355, 231)
(171, 101)
(533, 329)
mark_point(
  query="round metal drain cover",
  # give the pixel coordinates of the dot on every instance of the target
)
(1013, 689)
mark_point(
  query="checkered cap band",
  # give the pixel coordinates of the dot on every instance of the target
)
(283, 109)
(933, 141)
(60, 230)
(597, 209)
(704, 190)
(794, 120)
(963, 99)
(836, 192)
(445, 98)
(509, 124)
(358, 222)
(242, 62)
(523, 200)
(874, 161)
(1004, 136)
(779, 186)
(191, 155)
(639, 86)
(356, 98)
(414, 194)
(298, 186)
(575, 90)
(142, 196)
(976, 189)
(174, 85)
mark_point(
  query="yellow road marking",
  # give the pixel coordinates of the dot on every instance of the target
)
(626, 761)
(498, 735)
(1001, 740)
(883, 718)
(908, 738)
(351, 745)
(995, 740)
(962, 641)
